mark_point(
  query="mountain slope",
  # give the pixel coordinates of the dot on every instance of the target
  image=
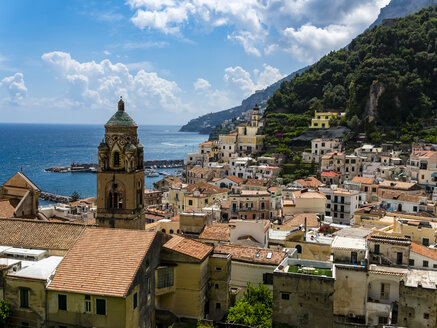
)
(205, 123)
(401, 8)
(384, 81)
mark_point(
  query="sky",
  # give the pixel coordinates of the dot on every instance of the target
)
(171, 60)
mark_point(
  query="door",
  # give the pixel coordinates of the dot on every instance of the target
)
(398, 258)
(354, 257)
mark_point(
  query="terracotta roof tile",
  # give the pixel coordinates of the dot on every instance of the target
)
(257, 182)
(39, 234)
(330, 173)
(423, 250)
(235, 179)
(309, 182)
(401, 196)
(204, 188)
(423, 154)
(252, 254)
(103, 262)
(363, 180)
(216, 232)
(398, 185)
(304, 193)
(299, 219)
(7, 209)
(188, 247)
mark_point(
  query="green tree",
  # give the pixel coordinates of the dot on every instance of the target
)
(75, 196)
(254, 309)
(354, 123)
(5, 313)
(203, 324)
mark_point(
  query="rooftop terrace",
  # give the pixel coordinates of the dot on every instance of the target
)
(306, 267)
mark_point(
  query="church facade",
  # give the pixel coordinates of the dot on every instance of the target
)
(120, 176)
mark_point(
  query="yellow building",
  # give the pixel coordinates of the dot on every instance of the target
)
(244, 140)
(182, 280)
(304, 201)
(106, 280)
(321, 120)
(26, 294)
(195, 196)
(120, 176)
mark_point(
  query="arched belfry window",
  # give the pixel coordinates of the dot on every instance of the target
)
(116, 159)
(115, 197)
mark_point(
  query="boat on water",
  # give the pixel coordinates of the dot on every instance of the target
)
(151, 173)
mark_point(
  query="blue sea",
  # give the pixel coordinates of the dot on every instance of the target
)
(35, 147)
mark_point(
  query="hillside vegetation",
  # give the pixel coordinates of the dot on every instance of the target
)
(385, 81)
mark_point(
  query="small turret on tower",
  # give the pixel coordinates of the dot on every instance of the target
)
(121, 104)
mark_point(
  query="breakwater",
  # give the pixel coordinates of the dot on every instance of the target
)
(92, 167)
(159, 164)
(49, 197)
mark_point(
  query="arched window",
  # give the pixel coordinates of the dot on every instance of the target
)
(163, 230)
(116, 159)
(299, 249)
(171, 231)
(115, 197)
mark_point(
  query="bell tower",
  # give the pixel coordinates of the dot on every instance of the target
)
(120, 176)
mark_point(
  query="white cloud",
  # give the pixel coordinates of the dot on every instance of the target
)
(201, 84)
(309, 43)
(106, 52)
(145, 65)
(15, 87)
(144, 45)
(264, 25)
(96, 85)
(249, 83)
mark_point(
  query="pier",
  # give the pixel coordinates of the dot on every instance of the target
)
(92, 167)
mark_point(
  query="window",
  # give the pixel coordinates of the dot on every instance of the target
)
(425, 264)
(376, 249)
(87, 304)
(218, 269)
(385, 291)
(425, 241)
(218, 306)
(190, 202)
(165, 277)
(434, 266)
(414, 208)
(299, 249)
(100, 306)
(268, 278)
(382, 320)
(411, 262)
(62, 302)
(135, 301)
(116, 159)
(24, 297)
(216, 286)
(426, 316)
(285, 296)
